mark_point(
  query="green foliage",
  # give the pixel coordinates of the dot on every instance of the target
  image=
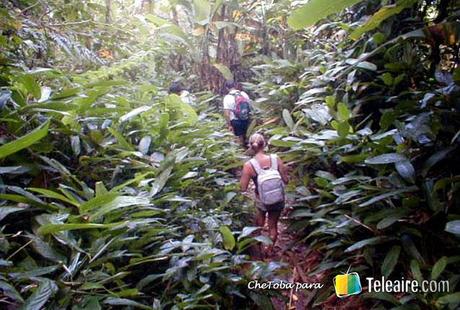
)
(375, 173)
(24, 141)
(128, 204)
(315, 10)
(225, 71)
(381, 15)
(114, 194)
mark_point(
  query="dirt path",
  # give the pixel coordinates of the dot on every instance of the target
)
(300, 261)
(289, 251)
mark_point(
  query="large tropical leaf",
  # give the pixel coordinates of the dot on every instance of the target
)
(41, 295)
(381, 15)
(24, 141)
(315, 10)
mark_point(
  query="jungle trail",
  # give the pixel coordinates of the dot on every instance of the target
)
(120, 170)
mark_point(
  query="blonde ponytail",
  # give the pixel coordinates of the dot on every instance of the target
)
(257, 142)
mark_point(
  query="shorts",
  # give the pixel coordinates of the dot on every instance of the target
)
(277, 207)
(239, 126)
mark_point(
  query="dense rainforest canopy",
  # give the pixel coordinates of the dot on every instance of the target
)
(116, 194)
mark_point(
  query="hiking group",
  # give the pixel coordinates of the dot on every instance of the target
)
(267, 171)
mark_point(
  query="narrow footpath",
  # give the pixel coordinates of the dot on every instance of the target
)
(300, 261)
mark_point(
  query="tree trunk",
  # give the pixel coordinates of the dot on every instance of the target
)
(108, 11)
(147, 6)
(176, 59)
(227, 50)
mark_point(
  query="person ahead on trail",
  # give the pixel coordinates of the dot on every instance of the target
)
(269, 175)
(178, 89)
(236, 110)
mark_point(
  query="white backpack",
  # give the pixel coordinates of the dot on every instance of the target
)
(269, 182)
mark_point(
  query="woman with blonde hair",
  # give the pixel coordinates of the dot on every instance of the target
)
(269, 175)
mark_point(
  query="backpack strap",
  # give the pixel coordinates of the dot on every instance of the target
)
(256, 166)
(274, 161)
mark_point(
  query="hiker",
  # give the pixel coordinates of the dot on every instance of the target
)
(269, 175)
(178, 89)
(236, 110)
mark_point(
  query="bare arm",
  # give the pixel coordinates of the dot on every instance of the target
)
(227, 119)
(283, 171)
(245, 177)
(227, 116)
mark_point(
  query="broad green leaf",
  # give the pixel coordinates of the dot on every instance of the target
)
(224, 70)
(76, 145)
(251, 127)
(24, 141)
(158, 21)
(202, 10)
(113, 301)
(351, 159)
(175, 33)
(247, 231)
(434, 159)
(390, 261)
(160, 181)
(14, 170)
(44, 249)
(415, 269)
(371, 241)
(135, 180)
(406, 170)
(118, 203)
(9, 291)
(100, 189)
(365, 65)
(385, 159)
(387, 195)
(410, 248)
(40, 296)
(35, 272)
(387, 79)
(453, 299)
(120, 139)
(5, 263)
(5, 210)
(51, 194)
(65, 93)
(281, 143)
(144, 144)
(438, 268)
(453, 227)
(343, 113)
(315, 10)
(381, 15)
(98, 201)
(288, 119)
(134, 113)
(227, 237)
(388, 221)
(33, 88)
(163, 126)
(54, 228)
(263, 239)
(88, 302)
(187, 113)
(343, 129)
